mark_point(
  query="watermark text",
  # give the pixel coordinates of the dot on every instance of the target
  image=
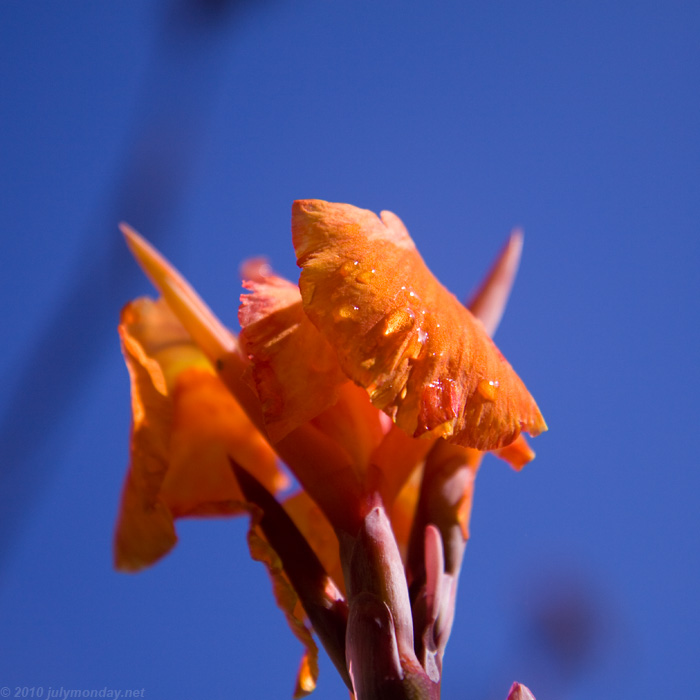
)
(63, 693)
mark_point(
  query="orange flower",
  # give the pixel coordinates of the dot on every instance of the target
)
(337, 378)
(423, 358)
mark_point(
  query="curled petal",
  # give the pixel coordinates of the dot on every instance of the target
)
(185, 425)
(422, 357)
(517, 454)
(287, 600)
(295, 370)
(145, 529)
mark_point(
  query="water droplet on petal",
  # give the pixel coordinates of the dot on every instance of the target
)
(444, 429)
(417, 345)
(488, 389)
(399, 321)
(348, 267)
(345, 312)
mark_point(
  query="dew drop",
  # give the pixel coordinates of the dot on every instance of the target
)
(399, 321)
(348, 267)
(417, 346)
(345, 312)
(488, 389)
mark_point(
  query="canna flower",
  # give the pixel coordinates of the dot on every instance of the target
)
(376, 388)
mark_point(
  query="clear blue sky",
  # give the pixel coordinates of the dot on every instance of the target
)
(199, 123)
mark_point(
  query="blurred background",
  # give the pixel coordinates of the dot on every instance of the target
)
(199, 122)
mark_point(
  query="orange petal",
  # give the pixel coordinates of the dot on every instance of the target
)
(517, 454)
(295, 370)
(423, 358)
(354, 424)
(218, 343)
(185, 423)
(200, 322)
(288, 601)
(396, 458)
(145, 530)
(451, 472)
(403, 510)
(209, 427)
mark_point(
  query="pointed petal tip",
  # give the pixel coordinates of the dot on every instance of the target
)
(538, 427)
(156, 267)
(517, 236)
(127, 230)
(140, 248)
(489, 302)
(204, 327)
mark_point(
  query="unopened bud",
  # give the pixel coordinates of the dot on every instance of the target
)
(376, 568)
(519, 692)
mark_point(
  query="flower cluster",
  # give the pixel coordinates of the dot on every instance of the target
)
(376, 388)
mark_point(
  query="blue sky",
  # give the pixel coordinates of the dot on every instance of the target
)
(199, 123)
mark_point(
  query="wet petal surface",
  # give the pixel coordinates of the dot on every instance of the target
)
(424, 359)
